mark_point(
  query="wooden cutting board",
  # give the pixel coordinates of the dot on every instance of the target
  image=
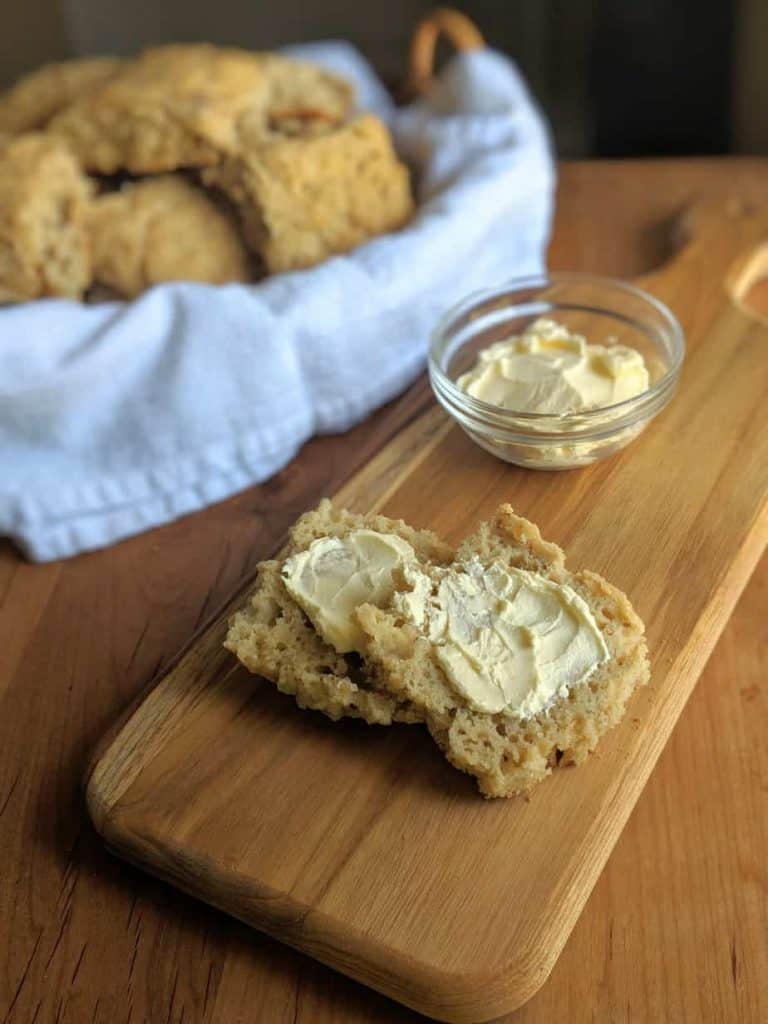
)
(360, 845)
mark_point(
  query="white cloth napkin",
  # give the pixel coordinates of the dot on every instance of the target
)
(118, 417)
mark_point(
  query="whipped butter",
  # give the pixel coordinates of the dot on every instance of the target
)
(507, 639)
(335, 575)
(548, 369)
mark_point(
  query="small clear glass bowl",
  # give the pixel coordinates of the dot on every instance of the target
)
(607, 312)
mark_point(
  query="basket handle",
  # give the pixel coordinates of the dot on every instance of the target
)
(457, 27)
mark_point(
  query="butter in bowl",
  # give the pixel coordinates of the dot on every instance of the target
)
(556, 371)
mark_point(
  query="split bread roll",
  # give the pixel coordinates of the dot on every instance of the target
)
(398, 673)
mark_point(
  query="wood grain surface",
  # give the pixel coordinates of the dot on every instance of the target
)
(676, 927)
(363, 847)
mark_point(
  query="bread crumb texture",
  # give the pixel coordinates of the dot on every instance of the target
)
(44, 245)
(272, 636)
(308, 197)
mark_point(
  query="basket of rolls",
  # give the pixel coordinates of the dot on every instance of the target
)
(189, 162)
(209, 255)
(194, 163)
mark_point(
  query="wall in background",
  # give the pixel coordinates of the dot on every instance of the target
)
(661, 77)
(750, 94)
(616, 77)
(34, 31)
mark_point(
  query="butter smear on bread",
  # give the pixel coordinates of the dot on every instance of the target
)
(507, 639)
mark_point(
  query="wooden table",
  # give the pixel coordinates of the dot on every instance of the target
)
(675, 930)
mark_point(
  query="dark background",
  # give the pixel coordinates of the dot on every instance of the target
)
(616, 77)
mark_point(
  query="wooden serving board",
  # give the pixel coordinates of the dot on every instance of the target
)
(360, 845)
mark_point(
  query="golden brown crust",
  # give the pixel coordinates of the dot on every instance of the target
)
(185, 105)
(301, 97)
(513, 540)
(164, 229)
(34, 99)
(306, 198)
(171, 107)
(44, 247)
(272, 637)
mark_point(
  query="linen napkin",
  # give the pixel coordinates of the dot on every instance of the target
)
(115, 418)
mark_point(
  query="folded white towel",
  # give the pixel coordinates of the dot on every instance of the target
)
(118, 417)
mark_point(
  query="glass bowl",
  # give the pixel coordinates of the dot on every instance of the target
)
(606, 312)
